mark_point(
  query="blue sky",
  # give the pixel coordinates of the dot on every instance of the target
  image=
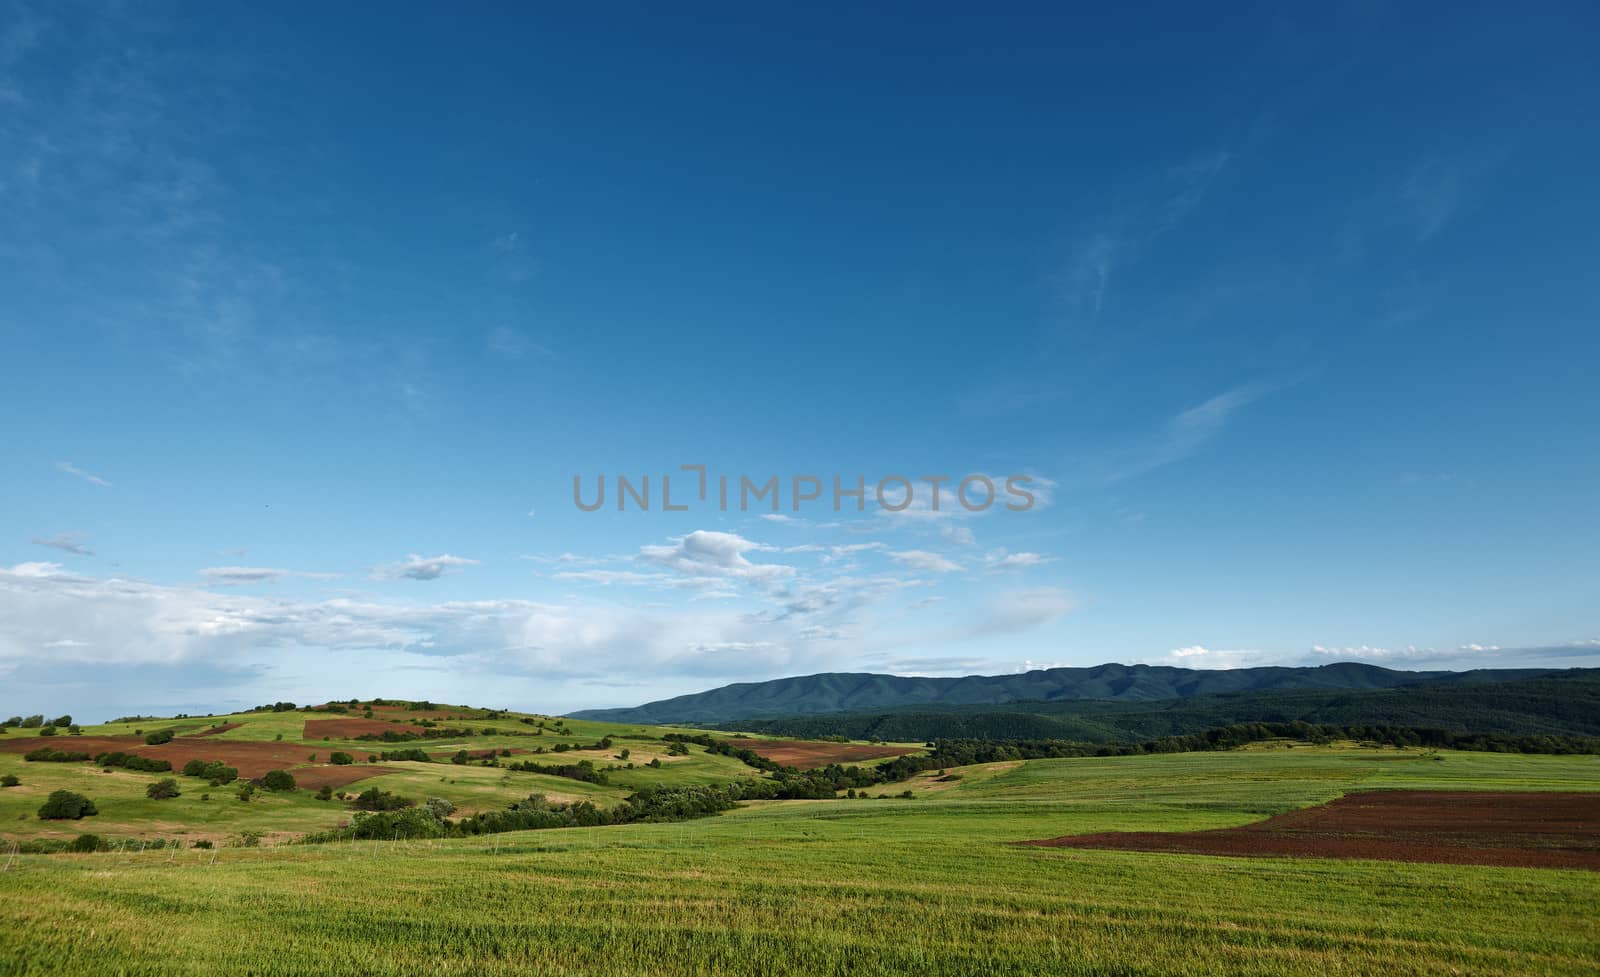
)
(311, 315)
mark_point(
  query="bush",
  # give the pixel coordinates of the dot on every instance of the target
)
(340, 759)
(158, 737)
(202, 843)
(278, 780)
(64, 805)
(161, 790)
(10, 780)
(440, 807)
(374, 799)
(84, 843)
(48, 731)
(214, 772)
(246, 791)
(325, 793)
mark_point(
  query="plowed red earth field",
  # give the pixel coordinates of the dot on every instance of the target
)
(806, 754)
(349, 729)
(252, 759)
(1528, 829)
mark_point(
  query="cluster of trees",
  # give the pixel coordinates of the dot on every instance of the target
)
(35, 722)
(214, 772)
(409, 754)
(132, 762)
(583, 770)
(534, 813)
(49, 754)
(375, 799)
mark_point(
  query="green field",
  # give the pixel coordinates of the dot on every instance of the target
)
(927, 885)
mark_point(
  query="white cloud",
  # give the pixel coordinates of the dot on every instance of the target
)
(924, 560)
(415, 567)
(69, 468)
(999, 559)
(707, 553)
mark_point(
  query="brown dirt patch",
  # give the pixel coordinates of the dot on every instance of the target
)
(328, 775)
(349, 729)
(806, 754)
(218, 729)
(1528, 829)
(251, 758)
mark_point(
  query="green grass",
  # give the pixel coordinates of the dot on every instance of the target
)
(923, 886)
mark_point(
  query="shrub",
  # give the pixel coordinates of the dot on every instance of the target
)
(9, 780)
(440, 807)
(158, 737)
(161, 790)
(278, 780)
(325, 793)
(248, 839)
(64, 805)
(340, 759)
(202, 843)
(48, 731)
(374, 799)
(84, 842)
(247, 790)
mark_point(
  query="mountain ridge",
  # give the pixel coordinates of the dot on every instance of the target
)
(838, 692)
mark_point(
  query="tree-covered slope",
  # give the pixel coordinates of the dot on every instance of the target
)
(836, 692)
(1559, 703)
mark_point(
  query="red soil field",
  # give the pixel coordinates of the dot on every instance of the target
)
(1527, 829)
(349, 729)
(218, 729)
(250, 758)
(327, 775)
(806, 754)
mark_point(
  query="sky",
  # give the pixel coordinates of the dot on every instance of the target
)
(310, 316)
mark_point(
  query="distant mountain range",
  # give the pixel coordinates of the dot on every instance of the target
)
(852, 692)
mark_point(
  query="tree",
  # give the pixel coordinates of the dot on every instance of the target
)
(48, 731)
(278, 780)
(341, 758)
(159, 736)
(163, 789)
(63, 721)
(64, 805)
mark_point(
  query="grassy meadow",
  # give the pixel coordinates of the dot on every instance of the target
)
(925, 885)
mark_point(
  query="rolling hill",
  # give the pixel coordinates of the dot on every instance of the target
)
(838, 692)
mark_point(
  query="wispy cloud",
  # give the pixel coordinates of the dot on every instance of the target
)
(1123, 236)
(415, 567)
(1015, 611)
(1000, 559)
(924, 560)
(66, 542)
(238, 576)
(69, 468)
